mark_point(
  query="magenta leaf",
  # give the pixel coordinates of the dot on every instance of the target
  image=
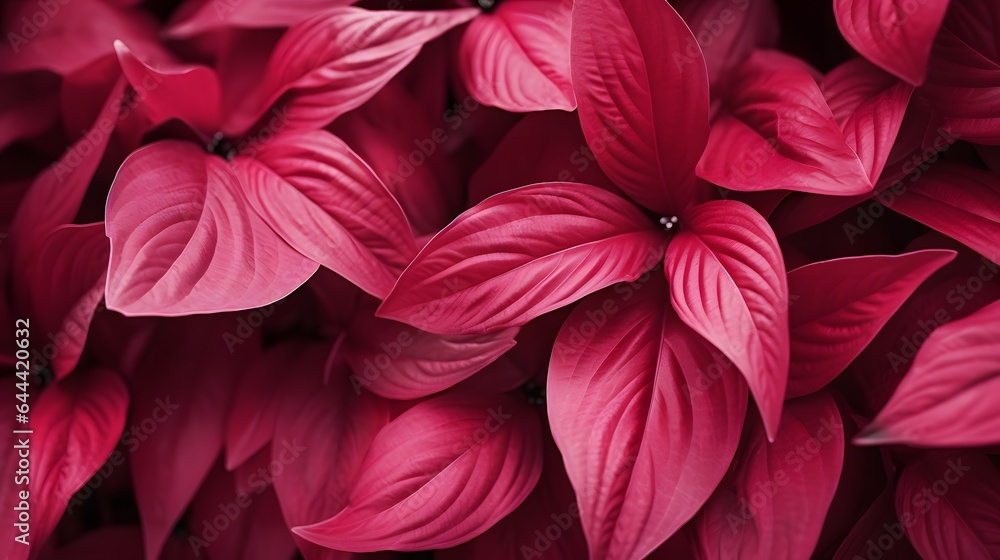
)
(184, 238)
(949, 504)
(728, 284)
(646, 413)
(728, 32)
(642, 89)
(947, 397)
(964, 71)
(776, 131)
(306, 182)
(181, 393)
(441, 473)
(66, 285)
(196, 17)
(338, 59)
(841, 304)
(774, 499)
(56, 194)
(322, 429)
(258, 397)
(868, 105)
(76, 424)
(520, 254)
(517, 57)
(398, 361)
(172, 90)
(960, 201)
(896, 35)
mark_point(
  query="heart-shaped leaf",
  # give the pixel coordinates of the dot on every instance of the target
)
(184, 238)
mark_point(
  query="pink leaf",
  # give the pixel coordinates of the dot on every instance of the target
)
(642, 90)
(729, 285)
(870, 534)
(965, 71)
(411, 150)
(548, 146)
(66, 285)
(841, 304)
(947, 397)
(256, 530)
(306, 182)
(647, 415)
(517, 57)
(520, 254)
(76, 424)
(184, 238)
(545, 526)
(777, 132)
(338, 59)
(322, 429)
(896, 35)
(398, 361)
(181, 393)
(186, 91)
(77, 34)
(773, 501)
(258, 397)
(949, 504)
(55, 196)
(869, 106)
(960, 201)
(197, 17)
(438, 475)
(728, 32)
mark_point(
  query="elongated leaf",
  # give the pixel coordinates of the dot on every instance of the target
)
(438, 475)
(76, 424)
(338, 59)
(728, 32)
(186, 91)
(520, 254)
(869, 106)
(66, 285)
(258, 398)
(775, 497)
(841, 304)
(55, 196)
(398, 361)
(949, 504)
(642, 90)
(180, 401)
(878, 523)
(72, 35)
(196, 17)
(728, 284)
(647, 415)
(947, 397)
(322, 428)
(776, 131)
(960, 201)
(551, 508)
(965, 71)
